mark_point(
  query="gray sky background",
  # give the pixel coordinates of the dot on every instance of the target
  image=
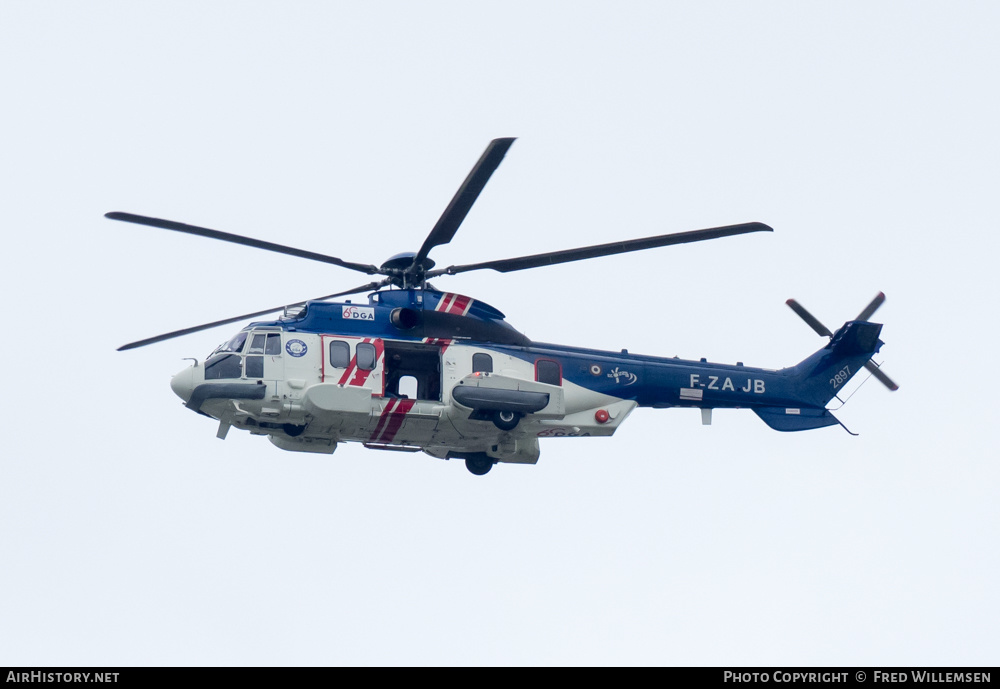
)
(864, 133)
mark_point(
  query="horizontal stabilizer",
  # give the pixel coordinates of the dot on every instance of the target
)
(791, 419)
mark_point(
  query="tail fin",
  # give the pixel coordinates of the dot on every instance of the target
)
(822, 375)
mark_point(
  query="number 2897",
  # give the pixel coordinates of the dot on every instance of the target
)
(840, 377)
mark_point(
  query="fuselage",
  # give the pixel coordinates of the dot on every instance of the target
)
(443, 373)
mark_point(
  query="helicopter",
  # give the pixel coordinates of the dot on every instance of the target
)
(416, 369)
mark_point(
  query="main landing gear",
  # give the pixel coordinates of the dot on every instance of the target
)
(506, 420)
(293, 430)
(479, 464)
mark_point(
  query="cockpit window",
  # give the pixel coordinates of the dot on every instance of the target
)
(223, 366)
(265, 343)
(257, 344)
(235, 344)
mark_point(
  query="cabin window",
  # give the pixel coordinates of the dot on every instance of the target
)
(223, 366)
(340, 354)
(254, 366)
(408, 387)
(548, 371)
(366, 356)
(482, 362)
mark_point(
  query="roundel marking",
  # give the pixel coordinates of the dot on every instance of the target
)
(595, 370)
(296, 347)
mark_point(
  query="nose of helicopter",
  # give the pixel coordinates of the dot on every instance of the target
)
(183, 383)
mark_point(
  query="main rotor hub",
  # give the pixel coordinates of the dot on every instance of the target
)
(402, 272)
(400, 262)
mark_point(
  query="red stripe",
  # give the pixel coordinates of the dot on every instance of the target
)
(361, 375)
(384, 418)
(346, 375)
(445, 302)
(457, 304)
(348, 370)
(358, 376)
(460, 306)
(391, 420)
(396, 419)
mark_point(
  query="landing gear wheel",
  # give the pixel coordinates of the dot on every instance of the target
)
(506, 420)
(479, 465)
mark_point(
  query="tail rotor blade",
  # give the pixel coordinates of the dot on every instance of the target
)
(872, 307)
(810, 319)
(882, 378)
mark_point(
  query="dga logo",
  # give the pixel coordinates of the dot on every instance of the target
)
(358, 313)
(619, 375)
(296, 347)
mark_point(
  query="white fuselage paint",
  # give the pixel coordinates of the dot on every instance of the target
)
(337, 403)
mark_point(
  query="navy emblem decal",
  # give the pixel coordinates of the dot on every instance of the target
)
(296, 347)
(621, 375)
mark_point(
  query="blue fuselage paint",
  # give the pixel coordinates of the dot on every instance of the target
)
(660, 382)
(649, 380)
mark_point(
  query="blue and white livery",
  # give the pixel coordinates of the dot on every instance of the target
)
(417, 369)
(487, 399)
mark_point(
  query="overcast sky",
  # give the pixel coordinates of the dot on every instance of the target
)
(864, 133)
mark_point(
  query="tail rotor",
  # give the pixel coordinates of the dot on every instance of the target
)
(810, 319)
(872, 307)
(879, 376)
(865, 315)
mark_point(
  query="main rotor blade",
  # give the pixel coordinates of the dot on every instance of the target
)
(245, 316)
(447, 225)
(871, 308)
(555, 257)
(239, 239)
(809, 318)
(877, 372)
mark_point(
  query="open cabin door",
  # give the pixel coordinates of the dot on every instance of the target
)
(410, 407)
(404, 383)
(413, 371)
